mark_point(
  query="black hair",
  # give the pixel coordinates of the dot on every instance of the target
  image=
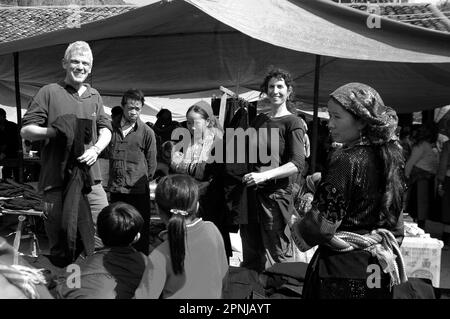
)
(133, 94)
(197, 109)
(279, 74)
(213, 121)
(405, 132)
(116, 110)
(164, 114)
(118, 224)
(427, 132)
(177, 198)
(3, 112)
(392, 163)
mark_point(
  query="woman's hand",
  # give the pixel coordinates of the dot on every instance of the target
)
(252, 179)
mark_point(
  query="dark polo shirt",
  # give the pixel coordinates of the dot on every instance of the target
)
(132, 159)
(52, 101)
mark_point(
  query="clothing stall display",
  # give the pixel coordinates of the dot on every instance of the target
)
(19, 196)
(21, 215)
(235, 111)
(239, 113)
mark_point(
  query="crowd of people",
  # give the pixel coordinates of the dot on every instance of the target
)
(353, 214)
(426, 170)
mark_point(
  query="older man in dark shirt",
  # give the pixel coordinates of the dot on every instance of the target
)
(133, 161)
(70, 97)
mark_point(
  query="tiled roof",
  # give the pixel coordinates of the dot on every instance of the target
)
(446, 11)
(22, 22)
(422, 15)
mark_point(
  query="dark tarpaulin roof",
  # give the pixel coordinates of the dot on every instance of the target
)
(196, 45)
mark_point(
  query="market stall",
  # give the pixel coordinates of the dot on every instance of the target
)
(22, 201)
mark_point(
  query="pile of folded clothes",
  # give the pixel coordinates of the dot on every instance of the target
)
(19, 196)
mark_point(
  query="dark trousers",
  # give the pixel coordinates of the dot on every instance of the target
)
(142, 203)
(253, 251)
(266, 242)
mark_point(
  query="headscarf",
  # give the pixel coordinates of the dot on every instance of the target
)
(197, 153)
(208, 109)
(365, 103)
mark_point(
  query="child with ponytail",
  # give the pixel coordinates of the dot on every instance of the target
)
(191, 263)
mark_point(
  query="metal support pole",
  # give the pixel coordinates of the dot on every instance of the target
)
(19, 114)
(315, 130)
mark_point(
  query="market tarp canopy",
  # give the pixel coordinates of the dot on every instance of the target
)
(196, 45)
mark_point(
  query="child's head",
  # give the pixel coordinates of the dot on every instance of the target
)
(177, 200)
(177, 192)
(119, 225)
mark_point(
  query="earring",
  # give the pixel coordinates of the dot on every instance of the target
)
(360, 137)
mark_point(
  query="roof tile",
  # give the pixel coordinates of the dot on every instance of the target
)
(21, 22)
(422, 15)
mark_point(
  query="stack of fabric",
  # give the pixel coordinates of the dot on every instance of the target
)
(19, 196)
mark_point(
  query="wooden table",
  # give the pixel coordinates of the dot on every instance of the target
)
(22, 216)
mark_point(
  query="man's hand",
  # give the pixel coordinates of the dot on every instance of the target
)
(89, 156)
(252, 179)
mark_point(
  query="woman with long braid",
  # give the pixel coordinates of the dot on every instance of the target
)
(356, 214)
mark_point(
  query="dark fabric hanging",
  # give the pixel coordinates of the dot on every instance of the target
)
(232, 107)
(239, 114)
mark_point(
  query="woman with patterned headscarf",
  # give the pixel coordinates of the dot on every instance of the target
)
(356, 214)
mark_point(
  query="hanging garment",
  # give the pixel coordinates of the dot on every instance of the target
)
(76, 213)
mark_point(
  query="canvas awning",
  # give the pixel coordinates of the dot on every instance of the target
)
(196, 45)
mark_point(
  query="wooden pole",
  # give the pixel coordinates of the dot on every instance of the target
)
(19, 114)
(315, 130)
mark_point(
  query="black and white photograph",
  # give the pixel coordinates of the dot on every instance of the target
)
(236, 156)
